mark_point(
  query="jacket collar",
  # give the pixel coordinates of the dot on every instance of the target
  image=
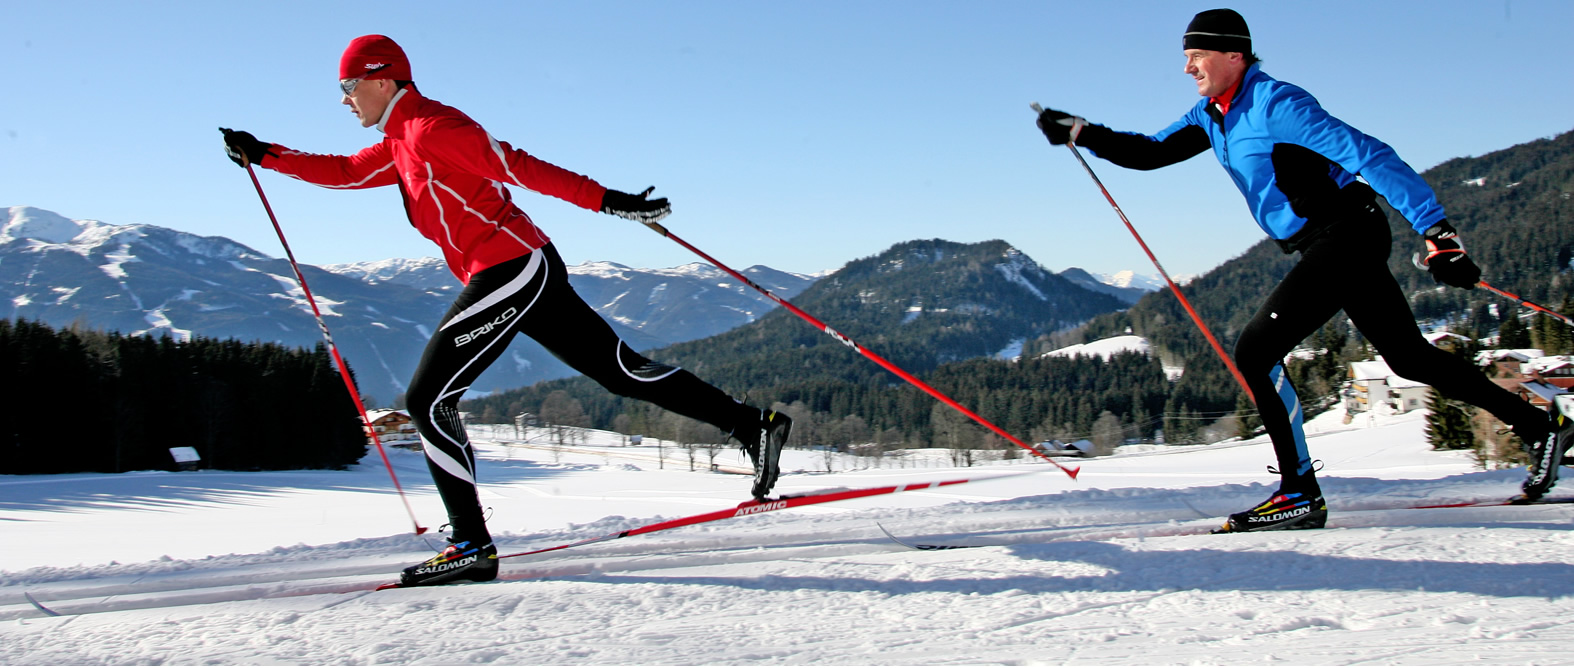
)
(388, 112)
(1216, 110)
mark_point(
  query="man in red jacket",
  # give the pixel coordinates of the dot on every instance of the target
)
(451, 174)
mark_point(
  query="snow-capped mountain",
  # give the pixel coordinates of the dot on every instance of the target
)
(672, 305)
(1132, 279)
(1128, 286)
(145, 279)
(426, 273)
(683, 303)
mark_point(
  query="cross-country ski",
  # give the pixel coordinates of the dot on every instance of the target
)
(749, 509)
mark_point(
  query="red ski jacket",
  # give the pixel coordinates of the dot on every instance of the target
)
(451, 173)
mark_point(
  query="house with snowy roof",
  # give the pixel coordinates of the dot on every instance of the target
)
(1447, 340)
(1374, 386)
(1506, 360)
(392, 425)
(1542, 378)
(1556, 370)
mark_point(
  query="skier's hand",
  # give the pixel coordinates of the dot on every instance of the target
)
(1445, 258)
(1060, 127)
(635, 207)
(243, 148)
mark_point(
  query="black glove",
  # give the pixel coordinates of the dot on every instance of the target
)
(1445, 258)
(1060, 127)
(243, 148)
(635, 207)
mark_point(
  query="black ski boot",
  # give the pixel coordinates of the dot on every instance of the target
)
(1298, 504)
(1546, 450)
(766, 454)
(461, 561)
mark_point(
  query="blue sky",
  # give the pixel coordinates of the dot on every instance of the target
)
(799, 135)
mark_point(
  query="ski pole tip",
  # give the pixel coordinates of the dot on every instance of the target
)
(1073, 471)
(420, 529)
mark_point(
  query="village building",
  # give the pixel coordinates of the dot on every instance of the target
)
(392, 426)
(1373, 386)
(1527, 372)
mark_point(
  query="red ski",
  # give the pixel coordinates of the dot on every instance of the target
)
(748, 508)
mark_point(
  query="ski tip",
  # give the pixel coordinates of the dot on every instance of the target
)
(40, 606)
(1037, 108)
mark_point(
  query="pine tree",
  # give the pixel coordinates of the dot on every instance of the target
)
(1249, 418)
(1513, 334)
(1448, 423)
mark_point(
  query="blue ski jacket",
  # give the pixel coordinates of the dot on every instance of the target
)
(1291, 159)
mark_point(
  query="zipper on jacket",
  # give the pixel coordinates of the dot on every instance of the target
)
(1224, 138)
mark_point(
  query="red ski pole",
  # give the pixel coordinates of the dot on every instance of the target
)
(1173, 287)
(865, 351)
(1527, 303)
(344, 371)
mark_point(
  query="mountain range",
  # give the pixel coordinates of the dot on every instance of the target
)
(1127, 286)
(659, 306)
(146, 279)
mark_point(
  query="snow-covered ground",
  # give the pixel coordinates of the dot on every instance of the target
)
(1112, 568)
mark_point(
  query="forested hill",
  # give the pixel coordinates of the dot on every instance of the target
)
(919, 304)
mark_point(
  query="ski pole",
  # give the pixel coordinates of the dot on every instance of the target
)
(1527, 303)
(1173, 287)
(865, 351)
(344, 371)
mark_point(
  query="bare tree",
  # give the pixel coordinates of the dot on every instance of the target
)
(561, 412)
(1107, 434)
(954, 432)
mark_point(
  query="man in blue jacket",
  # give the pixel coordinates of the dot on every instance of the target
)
(1297, 166)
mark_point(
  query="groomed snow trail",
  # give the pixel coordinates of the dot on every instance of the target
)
(1115, 569)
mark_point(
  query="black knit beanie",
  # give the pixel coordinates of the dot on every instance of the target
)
(1218, 30)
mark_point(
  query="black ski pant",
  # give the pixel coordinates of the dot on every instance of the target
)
(532, 295)
(1346, 267)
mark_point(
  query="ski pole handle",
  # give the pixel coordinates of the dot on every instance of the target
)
(1076, 123)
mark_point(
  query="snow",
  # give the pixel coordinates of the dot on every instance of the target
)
(1014, 269)
(212, 567)
(1013, 350)
(1132, 279)
(1104, 348)
(25, 222)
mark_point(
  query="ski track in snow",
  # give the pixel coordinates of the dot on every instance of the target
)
(1113, 569)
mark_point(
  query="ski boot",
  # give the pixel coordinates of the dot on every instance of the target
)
(461, 561)
(1546, 450)
(766, 454)
(1297, 504)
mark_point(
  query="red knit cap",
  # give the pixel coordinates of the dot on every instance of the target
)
(366, 54)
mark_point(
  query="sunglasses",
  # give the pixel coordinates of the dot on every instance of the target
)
(348, 85)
